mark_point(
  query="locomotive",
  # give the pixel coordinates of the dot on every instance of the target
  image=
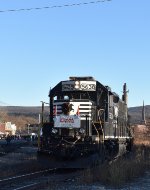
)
(86, 118)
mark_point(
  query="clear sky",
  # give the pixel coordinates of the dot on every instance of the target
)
(109, 41)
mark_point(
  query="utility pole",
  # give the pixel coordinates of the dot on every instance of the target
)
(28, 128)
(42, 119)
(143, 114)
(41, 124)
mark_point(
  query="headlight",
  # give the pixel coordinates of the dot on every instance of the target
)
(82, 131)
(77, 85)
(54, 131)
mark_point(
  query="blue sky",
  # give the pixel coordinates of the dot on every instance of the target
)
(109, 41)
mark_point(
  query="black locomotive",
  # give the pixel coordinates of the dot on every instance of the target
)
(86, 117)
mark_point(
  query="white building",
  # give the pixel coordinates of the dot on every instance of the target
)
(10, 128)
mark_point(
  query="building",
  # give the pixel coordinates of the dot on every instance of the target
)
(2, 129)
(7, 128)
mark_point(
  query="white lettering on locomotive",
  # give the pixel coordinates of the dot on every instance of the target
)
(82, 85)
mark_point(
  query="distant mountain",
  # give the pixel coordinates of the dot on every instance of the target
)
(136, 113)
(22, 116)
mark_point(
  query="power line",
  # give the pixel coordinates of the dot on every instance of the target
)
(54, 6)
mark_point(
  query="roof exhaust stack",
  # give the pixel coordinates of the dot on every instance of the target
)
(124, 96)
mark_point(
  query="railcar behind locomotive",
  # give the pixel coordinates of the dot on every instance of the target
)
(86, 117)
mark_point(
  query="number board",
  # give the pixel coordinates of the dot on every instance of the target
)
(82, 85)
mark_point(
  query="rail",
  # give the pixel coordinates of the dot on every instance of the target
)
(10, 180)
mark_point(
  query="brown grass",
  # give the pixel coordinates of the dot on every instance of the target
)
(121, 171)
(145, 142)
(141, 135)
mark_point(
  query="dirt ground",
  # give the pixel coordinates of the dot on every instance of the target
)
(18, 157)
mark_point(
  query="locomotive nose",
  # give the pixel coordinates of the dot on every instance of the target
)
(66, 108)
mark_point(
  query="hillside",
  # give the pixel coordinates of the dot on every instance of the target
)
(21, 116)
(136, 113)
(24, 115)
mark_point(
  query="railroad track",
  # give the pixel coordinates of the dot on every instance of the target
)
(37, 180)
(14, 182)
